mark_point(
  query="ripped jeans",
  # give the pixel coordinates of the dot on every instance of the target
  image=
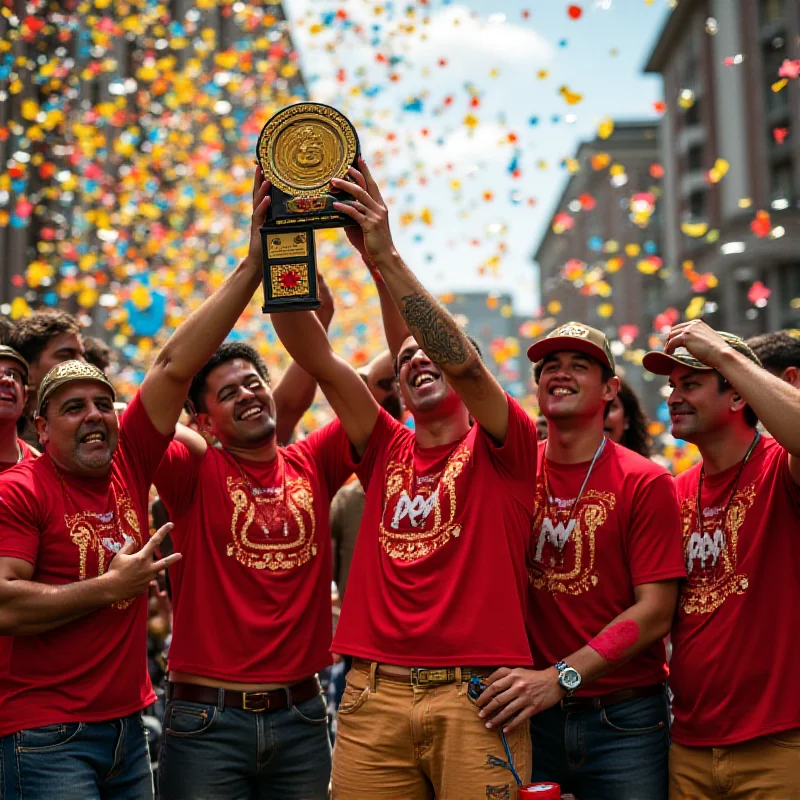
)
(420, 743)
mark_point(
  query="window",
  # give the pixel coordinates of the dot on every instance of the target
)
(692, 116)
(694, 157)
(773, 54)
(697, 205)
(781, 185)
(771, 12)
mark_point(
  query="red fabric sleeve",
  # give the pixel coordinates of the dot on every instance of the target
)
(140, 446)
(516, 459)
(792, 489)
(655, 545)
(19, 507)
(386, 430)
(176, 479)
(330, 449)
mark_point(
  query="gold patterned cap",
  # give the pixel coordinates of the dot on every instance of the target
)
(303, 146)
(660, 363)
(574, 336)
(11, 354)
(67, 372)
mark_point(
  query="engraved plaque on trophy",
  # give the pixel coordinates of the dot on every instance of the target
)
(300, 150)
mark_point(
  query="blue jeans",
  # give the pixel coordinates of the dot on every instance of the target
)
(227, 754)
(77, 761)
(615, 753)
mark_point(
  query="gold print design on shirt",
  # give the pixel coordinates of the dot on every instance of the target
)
(260, 540)
(416, 505)
(555, 544)
(711, 557)
(99, 537)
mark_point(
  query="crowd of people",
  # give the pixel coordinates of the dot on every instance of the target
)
(507, 587)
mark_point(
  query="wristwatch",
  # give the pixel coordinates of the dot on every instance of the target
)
(568, 678)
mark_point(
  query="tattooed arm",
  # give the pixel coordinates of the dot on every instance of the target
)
(513, 696)
(434, 329)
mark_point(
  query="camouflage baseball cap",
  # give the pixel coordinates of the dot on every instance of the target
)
(661, 363)
(11, 354)
(574, 336)
(67, 372)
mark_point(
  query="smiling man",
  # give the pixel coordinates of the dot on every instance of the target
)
(737, 715)
(604, 564)
(75, 563)
(44, 339)
(252, 609)
(437, 588)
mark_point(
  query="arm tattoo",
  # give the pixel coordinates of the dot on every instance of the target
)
(441, 338)
(614, 642)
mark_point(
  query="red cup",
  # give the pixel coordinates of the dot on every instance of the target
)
(540, 791)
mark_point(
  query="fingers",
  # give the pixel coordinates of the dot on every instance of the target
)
(362, 195)
(357, 177)
(491, 691)
(505, 714)
(155, 540)
(160, 566)
(521, 719)
(350, 211)
(128, 548)
(372, 187)
(497, 674)
(500, 699)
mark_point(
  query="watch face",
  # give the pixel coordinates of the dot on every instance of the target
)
(570, 679)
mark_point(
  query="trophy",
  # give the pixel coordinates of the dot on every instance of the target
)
(299, 150)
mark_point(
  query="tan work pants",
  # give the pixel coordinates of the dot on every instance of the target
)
(396, 741)
(767, 768)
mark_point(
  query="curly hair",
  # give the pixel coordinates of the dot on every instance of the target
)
(635, 437)
(778, 350)
(31, 334)
(228, 351)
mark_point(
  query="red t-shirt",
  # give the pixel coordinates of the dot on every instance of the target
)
(736, 637)
(5, 641)
(252, 596)
(94, 668)
(624, 532)
(439, 580)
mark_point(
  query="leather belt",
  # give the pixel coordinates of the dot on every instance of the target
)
(578, 705)
(420, 676)
(274, 700)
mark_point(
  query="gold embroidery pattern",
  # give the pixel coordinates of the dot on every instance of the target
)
(412, 545)
(550, 574)
(706, 589)
(93, 533)
(257, 526)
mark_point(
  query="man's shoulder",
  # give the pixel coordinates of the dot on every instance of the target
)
(636, 464)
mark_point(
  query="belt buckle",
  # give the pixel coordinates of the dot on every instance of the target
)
(262, 696)
(425, 677)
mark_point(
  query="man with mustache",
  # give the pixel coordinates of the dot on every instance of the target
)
(437, 590)
(736, 733)
(75, 563)
(604, 565)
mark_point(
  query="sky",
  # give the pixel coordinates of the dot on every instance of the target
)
(462, 117)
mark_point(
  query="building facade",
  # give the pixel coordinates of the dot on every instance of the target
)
(720, 62)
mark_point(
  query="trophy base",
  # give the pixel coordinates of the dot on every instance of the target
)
(290, 270)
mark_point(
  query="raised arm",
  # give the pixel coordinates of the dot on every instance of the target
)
(166, 384)
(775, 402)
(295, 393)
(304, 337)
(394, 325)
(430, 324)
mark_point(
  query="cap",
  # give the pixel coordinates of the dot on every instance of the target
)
(67, 372)
(13, 355)
(574, 336)
(660, 363)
